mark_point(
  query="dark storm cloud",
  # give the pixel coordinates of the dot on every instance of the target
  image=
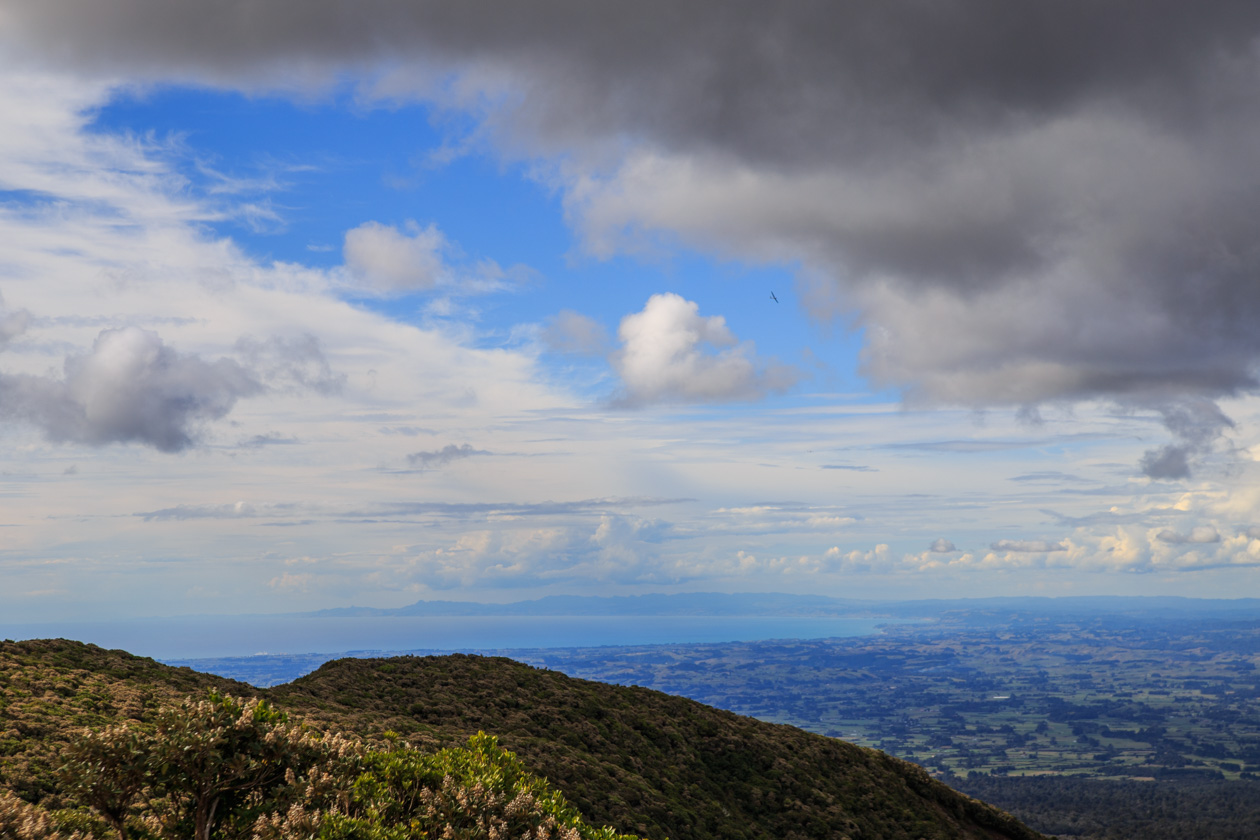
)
(130, 388)
(799, 82)
(1169, 461)
(1197, 425)
(1021, 202)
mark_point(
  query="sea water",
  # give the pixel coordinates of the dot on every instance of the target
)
(191, 637)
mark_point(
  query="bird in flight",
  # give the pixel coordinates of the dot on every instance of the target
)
(773, 298)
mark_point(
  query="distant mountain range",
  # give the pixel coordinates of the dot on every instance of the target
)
(699, 604)
(780, 604)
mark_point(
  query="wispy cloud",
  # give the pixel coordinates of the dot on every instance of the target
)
(445, 455)
(574, 333)
(269, 439)
(966, 446)
(296, 362)
(233, 510)
(382, 259)
(1050, 477)
(1028, 546)
(253, 510)
(1201, 535)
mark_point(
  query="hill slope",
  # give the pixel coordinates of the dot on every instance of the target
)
(49, 689)
(633, 758)
(648, 762)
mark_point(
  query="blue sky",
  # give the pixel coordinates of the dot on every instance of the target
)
(414, 304)
(312, 169)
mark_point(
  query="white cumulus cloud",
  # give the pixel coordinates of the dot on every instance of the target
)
(671, 353)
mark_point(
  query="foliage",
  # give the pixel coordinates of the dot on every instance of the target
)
(222, 759)
(233, 768)
(50, 689)
(107, 770)
(480, 791)
(646, 762)
(661, 766)
(224, 753)
(22, 821)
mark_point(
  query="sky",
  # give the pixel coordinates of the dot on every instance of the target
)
(320, 303)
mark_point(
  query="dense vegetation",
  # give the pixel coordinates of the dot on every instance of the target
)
(51, 690)
(647, 762)
(636, 759)
(1022, 709)
(225, 767)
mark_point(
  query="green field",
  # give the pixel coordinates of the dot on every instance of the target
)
(976, 694)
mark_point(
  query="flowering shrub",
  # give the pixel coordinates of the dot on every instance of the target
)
(478, 792)
(230, 768)
(20, 821)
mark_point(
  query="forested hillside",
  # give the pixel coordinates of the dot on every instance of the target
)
(648, 762)
(633, 759)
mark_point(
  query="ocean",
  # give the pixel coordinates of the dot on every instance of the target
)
(217, 636)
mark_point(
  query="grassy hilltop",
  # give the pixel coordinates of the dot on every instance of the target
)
(634, 759)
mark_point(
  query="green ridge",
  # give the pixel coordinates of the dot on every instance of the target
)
(638, 760)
